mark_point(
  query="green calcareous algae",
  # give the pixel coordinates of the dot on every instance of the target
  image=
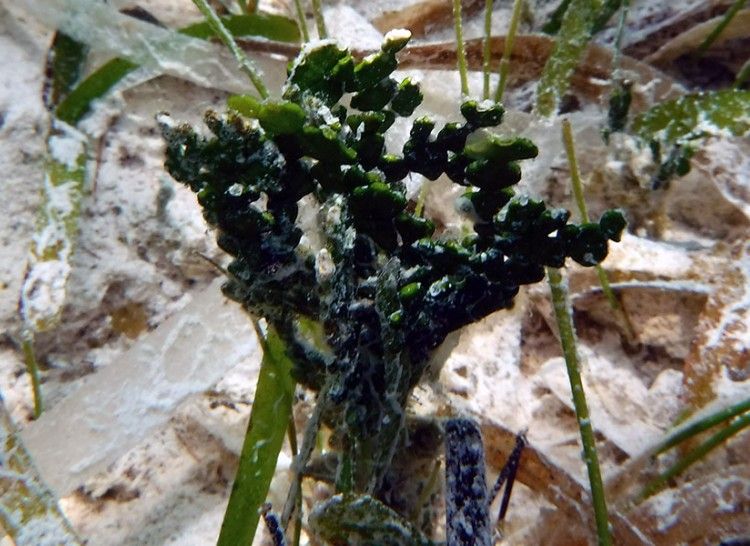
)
(385, 287)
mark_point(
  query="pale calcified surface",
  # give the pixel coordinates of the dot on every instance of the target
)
(172, 455)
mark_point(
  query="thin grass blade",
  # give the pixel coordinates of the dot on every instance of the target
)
(247, 66)
(78, 103)
(704, 423)
(65, 61)
(608, 9)
(320, 23)
(460, 48)
(510, 39)
(57, 225)
(695, 455)
(43, 290)
(564, 318)
(302, 20)
(577, 185)
(742, 75)
(571, 42)
(554, 22)
(486, 49)
(269, 420)
(716, 32)
(28, 510)
(265, 25)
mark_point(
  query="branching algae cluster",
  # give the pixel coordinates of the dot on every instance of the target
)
(384, 288)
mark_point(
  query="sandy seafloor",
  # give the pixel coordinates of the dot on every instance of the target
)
(156, 459)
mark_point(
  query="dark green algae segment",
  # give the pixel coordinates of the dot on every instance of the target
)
(395, 292)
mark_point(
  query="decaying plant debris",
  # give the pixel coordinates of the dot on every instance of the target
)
(681, 273)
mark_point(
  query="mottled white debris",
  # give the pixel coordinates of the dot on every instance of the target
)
(123, 402)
